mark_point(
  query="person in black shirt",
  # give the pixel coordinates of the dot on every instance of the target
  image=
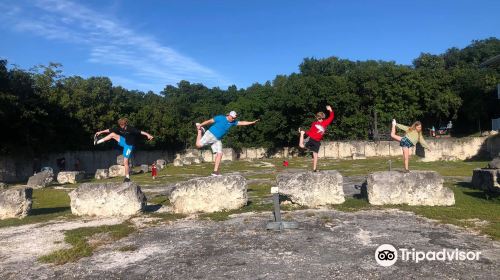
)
(126, 136)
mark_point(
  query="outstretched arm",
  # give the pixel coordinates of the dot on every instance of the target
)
(422, 142)
(149, 136)
(207, 122)
(330, 117)
(240, 123)
(102, 131)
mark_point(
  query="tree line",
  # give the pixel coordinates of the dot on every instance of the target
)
(41, 110)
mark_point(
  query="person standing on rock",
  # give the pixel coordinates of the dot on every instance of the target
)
(315, 134)
(412, 137)
(220, 126)
(126, 136)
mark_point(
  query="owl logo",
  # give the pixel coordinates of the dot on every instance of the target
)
(321, 129)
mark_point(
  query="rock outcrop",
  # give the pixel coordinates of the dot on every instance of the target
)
(41, 179)
(15, 203)
(116, 171)
(209, 194)
(107, 199)
(102, 174)
(414, 188)
(70, 177)
(312, 189)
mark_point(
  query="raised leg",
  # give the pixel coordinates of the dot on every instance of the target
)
(301, 140)
(198, 139)
(110, 136)
(393, 133)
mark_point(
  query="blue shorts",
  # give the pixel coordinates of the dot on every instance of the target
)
(127, 149)
(405, 142)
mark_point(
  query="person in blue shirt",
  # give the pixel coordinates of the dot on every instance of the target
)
(220, 126)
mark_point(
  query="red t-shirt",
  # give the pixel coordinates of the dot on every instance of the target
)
(318, 129)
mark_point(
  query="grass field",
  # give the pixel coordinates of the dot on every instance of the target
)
(473, 210)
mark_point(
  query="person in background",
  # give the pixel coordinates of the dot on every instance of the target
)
(126, 136)
(412, 137)
(220, 125)
(154, 171)
(315, 134)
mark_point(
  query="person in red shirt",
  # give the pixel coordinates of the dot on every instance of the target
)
(154, 171)
(315, 134)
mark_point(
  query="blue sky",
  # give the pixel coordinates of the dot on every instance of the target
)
(146, 45)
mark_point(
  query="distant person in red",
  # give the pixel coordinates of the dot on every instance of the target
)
(154, 171)
(315, 134)
(285, 163)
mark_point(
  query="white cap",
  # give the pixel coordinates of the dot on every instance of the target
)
(233, 114)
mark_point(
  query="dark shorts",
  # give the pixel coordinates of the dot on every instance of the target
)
(405, 142)
(312, 144)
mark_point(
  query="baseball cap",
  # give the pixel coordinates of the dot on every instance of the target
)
(233, 114)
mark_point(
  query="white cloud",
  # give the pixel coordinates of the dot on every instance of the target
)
(108, 41)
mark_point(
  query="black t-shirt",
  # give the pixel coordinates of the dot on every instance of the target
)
(129, 132)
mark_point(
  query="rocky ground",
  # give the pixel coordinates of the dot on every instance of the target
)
(329, 244)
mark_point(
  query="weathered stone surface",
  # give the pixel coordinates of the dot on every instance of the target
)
(41, 180)
(330, 244)
(161, 163)
(209, 194)
(102, 174)
(15, 203)
(107, 199)
(495, 163)
(192, 153)
(70, 177)
(178, 162)
(207, 155)
(414, 188)
(486, 179)
(312, 188)
(187, 160)
(197, 160)
(116, 171)
(228, 154)
(119, 159)
(3, 186)
(144, 168)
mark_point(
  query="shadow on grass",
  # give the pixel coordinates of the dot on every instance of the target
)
(45, 211)
(483, 195)
(152, 208)
(477, 193)
(363, 195)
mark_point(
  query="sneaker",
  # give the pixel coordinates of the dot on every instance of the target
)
(126, 180)
(216, 173)
(315, 170)
(406, 171)
(394, 122)
(95, 139)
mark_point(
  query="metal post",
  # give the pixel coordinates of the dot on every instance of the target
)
(277, 212)
(278, 224)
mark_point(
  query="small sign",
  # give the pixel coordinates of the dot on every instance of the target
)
(274, 190)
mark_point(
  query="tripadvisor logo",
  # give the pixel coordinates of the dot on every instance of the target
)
(387, 255)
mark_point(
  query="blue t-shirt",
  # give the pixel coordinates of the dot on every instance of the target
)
(221, 126)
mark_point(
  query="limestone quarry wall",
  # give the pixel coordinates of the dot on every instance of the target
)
(19, 168)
